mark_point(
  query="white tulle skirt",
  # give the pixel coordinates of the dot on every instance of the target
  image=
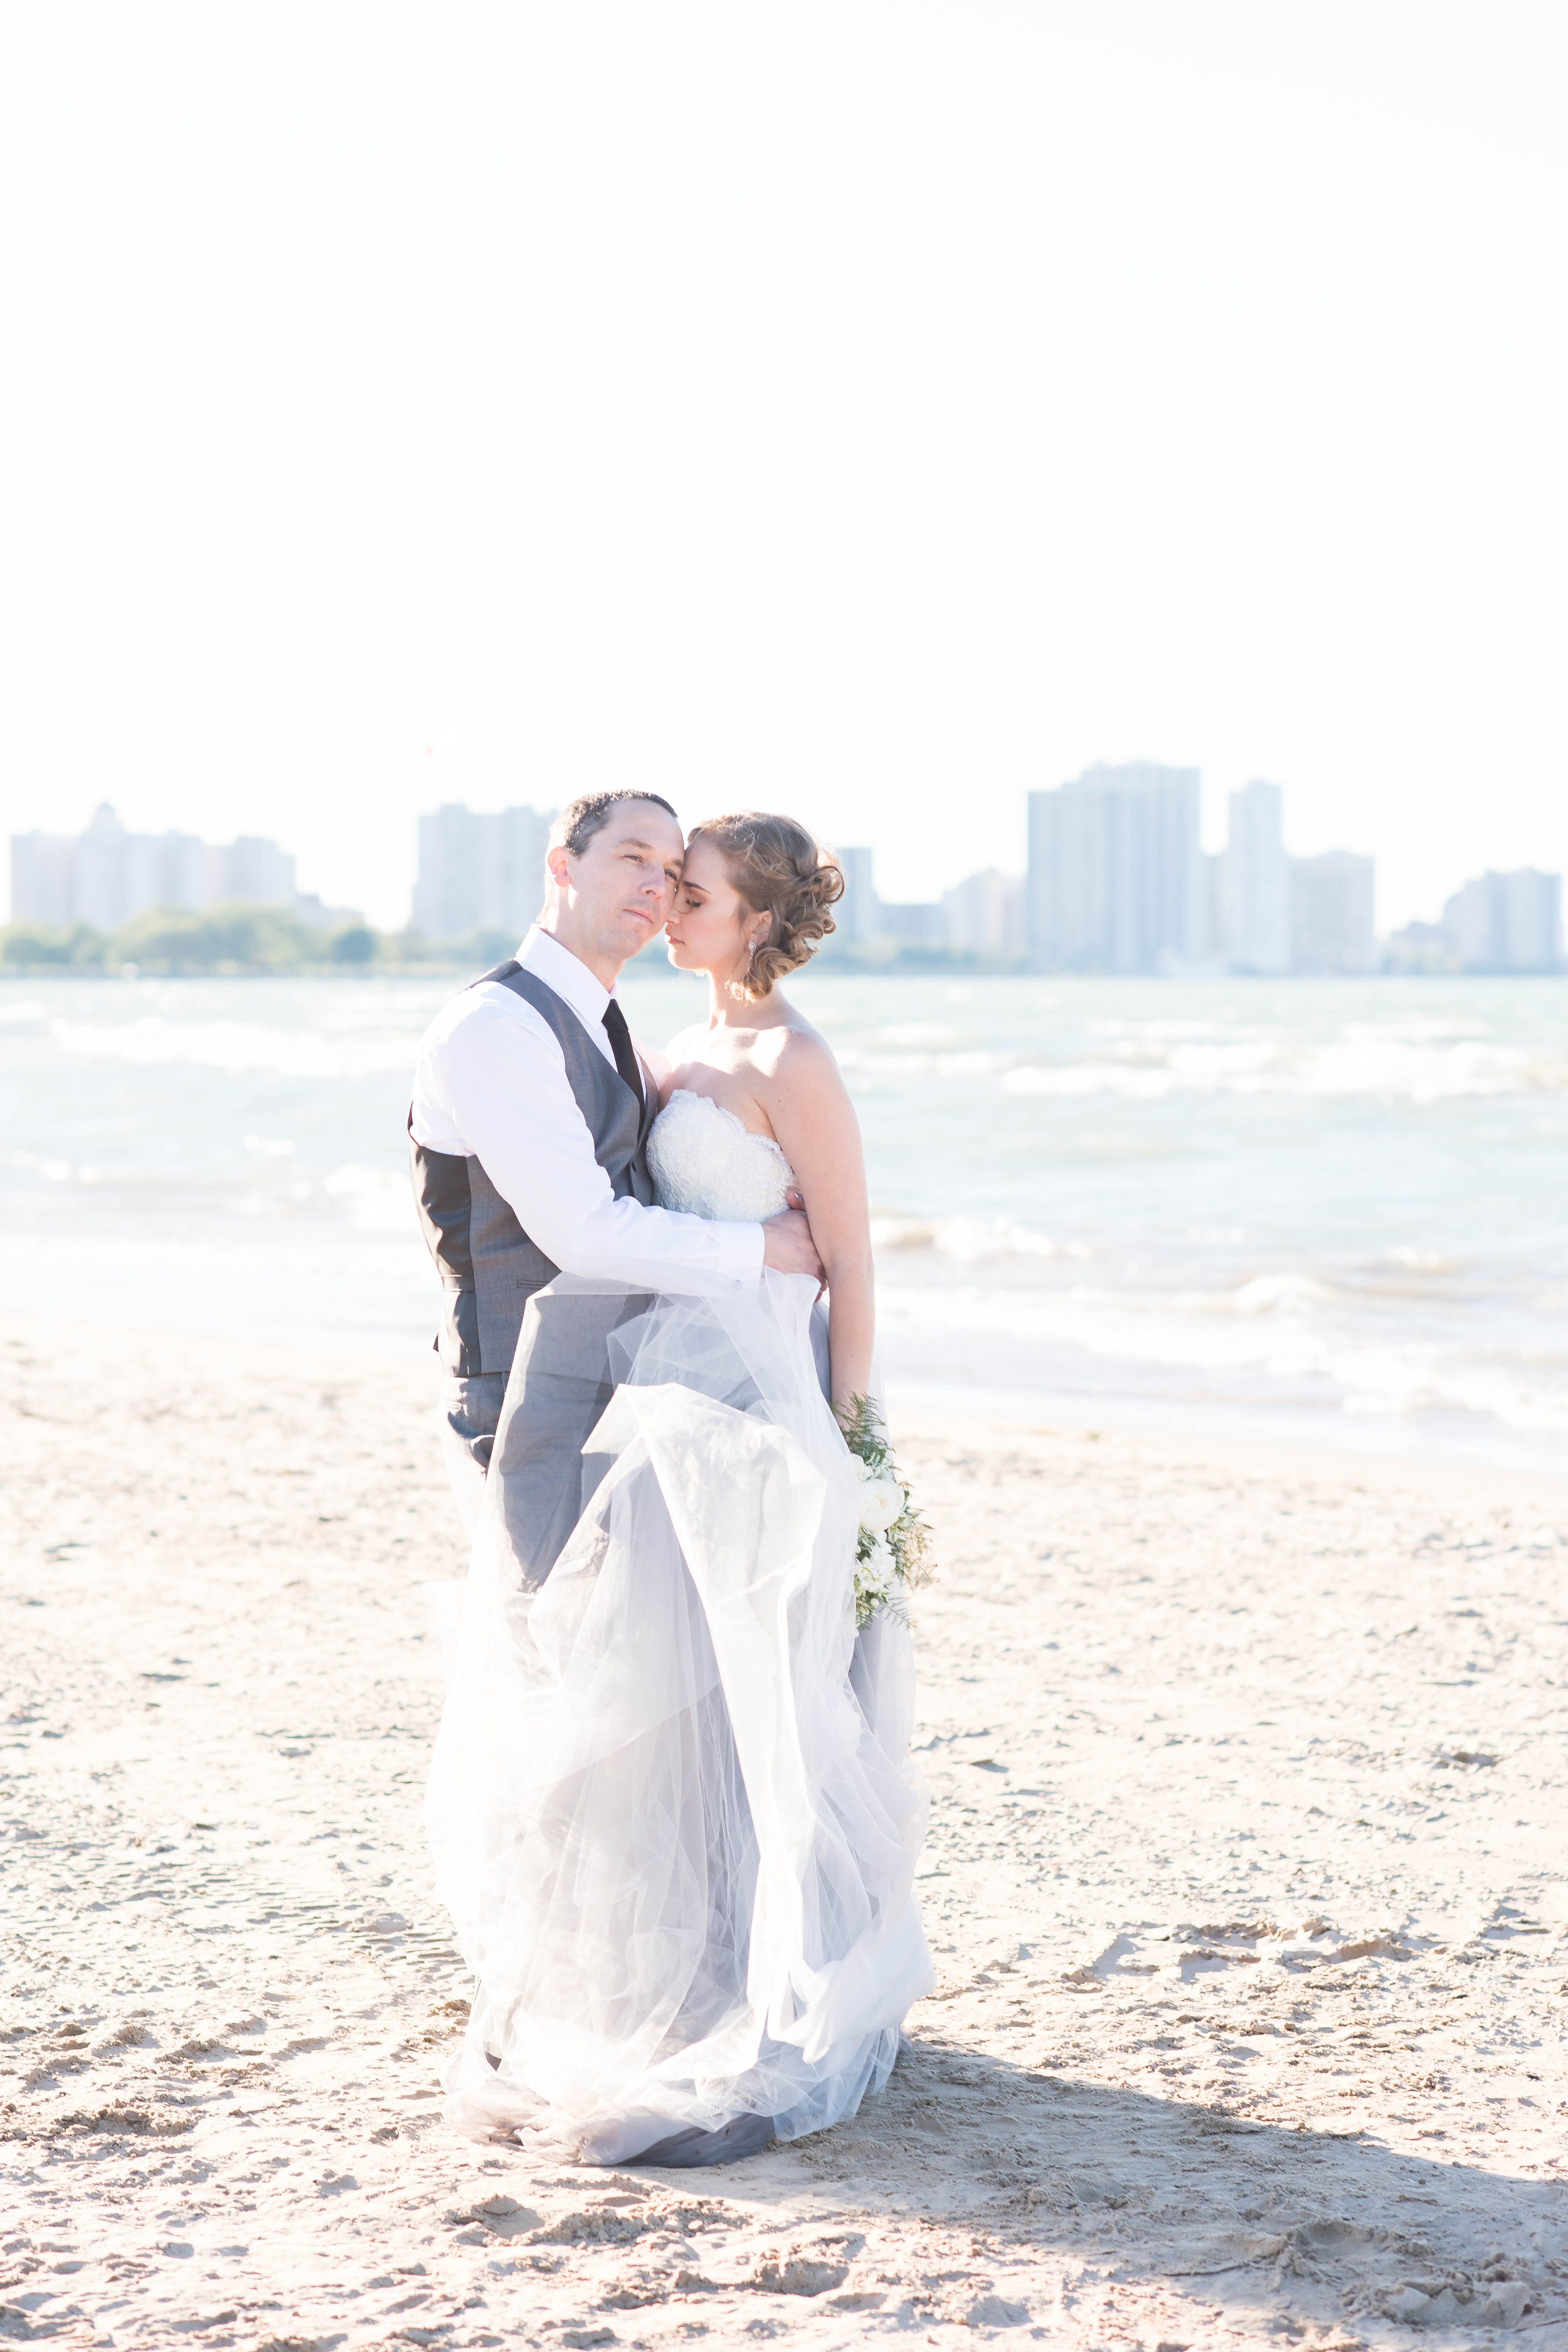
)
(671, 1812)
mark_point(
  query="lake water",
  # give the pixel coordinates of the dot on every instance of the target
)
(1321, 1210)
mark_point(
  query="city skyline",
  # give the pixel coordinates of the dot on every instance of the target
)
(914, 868)
(1117, 880)
(107, 876)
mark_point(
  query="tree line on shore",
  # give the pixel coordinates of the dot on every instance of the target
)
(232, 938)
(259, 940)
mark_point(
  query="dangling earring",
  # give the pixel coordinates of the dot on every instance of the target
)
(738, 985)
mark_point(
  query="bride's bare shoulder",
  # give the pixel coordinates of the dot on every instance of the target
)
(796, 1056)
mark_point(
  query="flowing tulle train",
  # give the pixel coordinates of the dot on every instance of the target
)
(671, 1810)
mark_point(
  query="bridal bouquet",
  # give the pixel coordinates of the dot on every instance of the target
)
(893, 1551)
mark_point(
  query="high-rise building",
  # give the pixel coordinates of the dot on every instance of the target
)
(1253, 895)
(856, 918)
(987, 916)
(252, 871)
(1333, 913)
(43, 877)
(175, 869)
(1507, 923)
(101, 888)
(480, 872)
(107, 876)
(1116, 871)
(446, 883)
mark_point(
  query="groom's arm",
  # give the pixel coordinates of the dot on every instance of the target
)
(491, 1083)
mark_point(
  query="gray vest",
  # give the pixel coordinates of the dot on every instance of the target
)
(489, 1267)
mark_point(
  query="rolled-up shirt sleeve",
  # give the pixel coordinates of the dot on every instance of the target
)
(492, 1084)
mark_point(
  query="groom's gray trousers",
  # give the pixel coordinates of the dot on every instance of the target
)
(564, 1386)
(470, 1415)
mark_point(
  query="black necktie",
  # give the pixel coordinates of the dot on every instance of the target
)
(620, 1038)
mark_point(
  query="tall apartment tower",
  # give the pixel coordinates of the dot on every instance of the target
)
(1508, 922)
(1116, 877)
(252, 870)
(1254, 895)
(857, 915)
(480, 872)
(988, 915)
(103, 889)
(1333, 913)
(43, 877)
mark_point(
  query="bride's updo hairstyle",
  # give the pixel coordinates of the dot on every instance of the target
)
(780, 872)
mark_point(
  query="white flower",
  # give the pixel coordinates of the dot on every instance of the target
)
(882, 1500)
(878, 1565)
(876, 1580)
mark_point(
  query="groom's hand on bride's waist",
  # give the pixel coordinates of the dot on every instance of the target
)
(787, 1246)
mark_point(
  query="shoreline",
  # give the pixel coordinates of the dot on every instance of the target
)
(908, 964)
(1270, 1460)
(1103, 1419)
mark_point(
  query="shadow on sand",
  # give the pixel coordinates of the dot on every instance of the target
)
(1123, 2200)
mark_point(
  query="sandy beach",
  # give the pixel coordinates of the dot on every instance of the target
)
(1244, 1880)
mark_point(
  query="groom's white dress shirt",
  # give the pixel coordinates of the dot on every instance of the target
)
(491, 1085)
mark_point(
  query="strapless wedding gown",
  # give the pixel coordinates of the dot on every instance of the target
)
(703, 1159)
(672, 1813)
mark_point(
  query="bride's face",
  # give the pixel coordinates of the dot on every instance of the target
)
(711, 927)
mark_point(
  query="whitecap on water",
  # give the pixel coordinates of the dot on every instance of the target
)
(1333, 1198)
(36, 1164)
(379, 1198)
(237, 1047)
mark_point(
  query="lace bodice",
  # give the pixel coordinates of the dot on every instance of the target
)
(702, 1160)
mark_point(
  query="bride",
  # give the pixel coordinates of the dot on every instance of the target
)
(672, 1814)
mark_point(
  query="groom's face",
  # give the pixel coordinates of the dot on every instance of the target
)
(623, 880)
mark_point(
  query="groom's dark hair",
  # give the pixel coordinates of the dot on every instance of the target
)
(580, 819)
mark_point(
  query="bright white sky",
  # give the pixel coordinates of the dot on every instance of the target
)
(872, 408)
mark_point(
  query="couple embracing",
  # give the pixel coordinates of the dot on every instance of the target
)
(670, 1806)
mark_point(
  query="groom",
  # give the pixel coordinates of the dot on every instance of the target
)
(528, 1132)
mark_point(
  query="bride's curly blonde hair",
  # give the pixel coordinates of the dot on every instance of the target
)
(780, 872)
